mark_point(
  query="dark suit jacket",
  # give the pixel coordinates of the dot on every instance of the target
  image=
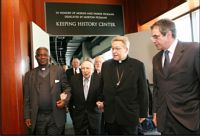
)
(180, 90)
(58, 85)
(97, 74)
(78, 106)
(70, 73)
(129, 101)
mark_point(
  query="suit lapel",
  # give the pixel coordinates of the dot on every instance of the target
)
(177, 55)
(34, 79)
(72, 72)
(92, 83)
(159, 62)
(52, 76)
(175, 58)
(80, 85)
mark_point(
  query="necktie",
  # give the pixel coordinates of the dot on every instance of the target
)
(75, 73)
(85, 85)
(166, 63)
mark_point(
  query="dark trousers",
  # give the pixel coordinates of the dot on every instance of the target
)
(173, 127)
(103, 125)
(45, 125)
(85, 128)
(116, 129)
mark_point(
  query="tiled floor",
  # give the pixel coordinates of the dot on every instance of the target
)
(154, 132)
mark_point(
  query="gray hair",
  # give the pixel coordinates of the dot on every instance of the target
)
(123, 39)
(165, 25)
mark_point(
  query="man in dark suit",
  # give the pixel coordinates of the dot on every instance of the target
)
(176, 73)
(124, 87)
(98, 61)
(74, 70)
(46, 92)
(82, 107)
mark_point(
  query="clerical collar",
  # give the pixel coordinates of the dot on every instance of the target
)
(43, 68)
(124, 60)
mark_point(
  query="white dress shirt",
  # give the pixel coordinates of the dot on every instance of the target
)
(171, 50)
(88, 86)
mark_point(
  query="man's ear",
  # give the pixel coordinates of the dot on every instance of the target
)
(127, 50)
(169, 34)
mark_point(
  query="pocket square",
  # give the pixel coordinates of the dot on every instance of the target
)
(56, 81)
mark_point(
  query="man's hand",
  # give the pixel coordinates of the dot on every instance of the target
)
(60, 103)
(141, 120)
(63, 96)
(28, 123)
(154, 119)
(100, 106)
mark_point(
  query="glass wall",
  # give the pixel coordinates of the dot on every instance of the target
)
(188, 27)
(195, 26)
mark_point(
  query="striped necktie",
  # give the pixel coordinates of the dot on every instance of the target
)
(166, 63)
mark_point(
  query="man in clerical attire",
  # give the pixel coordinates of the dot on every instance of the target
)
(124, 89)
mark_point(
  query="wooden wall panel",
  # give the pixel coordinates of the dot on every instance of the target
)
(150, 9)
(25, 18)
(9, 56)
(14, 46)
(0, 69)
(25, 42)
(130, 16)
(174, 3)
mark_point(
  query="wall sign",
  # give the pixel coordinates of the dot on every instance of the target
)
(84, 19)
